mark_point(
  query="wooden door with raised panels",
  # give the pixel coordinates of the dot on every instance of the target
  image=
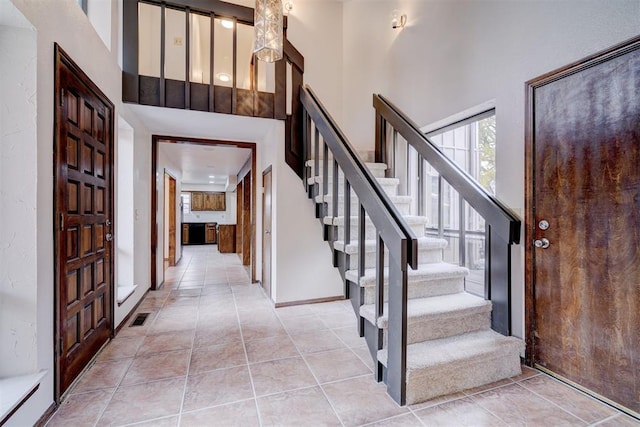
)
(83, 153)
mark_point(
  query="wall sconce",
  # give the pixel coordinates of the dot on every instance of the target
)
(288, 6)
(398, 20)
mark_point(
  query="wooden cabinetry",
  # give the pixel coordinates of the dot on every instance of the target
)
(197, 201)
(210, 233)
(208, 201)
(185, 234)
(227, 238)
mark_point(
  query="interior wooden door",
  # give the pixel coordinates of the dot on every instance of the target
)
(246, 221)
(266, 231)
(83, 162)
(583, 224)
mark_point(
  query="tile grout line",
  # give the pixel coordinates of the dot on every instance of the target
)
(246, 355)
(311, 370)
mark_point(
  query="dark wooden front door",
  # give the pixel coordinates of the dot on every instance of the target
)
(583, 214)
(82, 226)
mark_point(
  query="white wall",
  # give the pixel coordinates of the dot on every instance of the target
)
(64, 22)
(454, 55)
(18, 290)
(165, 164)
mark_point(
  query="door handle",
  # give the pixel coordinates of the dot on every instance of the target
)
(541, 243)
(108, 237)
(267, 231)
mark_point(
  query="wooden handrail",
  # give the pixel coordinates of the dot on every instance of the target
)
(495, 213)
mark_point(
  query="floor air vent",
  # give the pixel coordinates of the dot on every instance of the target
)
(139, 320)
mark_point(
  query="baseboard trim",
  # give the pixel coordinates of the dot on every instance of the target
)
(44, 419)
(309, 301)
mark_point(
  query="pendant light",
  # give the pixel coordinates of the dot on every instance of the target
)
(268, 30)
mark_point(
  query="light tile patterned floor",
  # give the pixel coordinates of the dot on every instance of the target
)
(214, 352)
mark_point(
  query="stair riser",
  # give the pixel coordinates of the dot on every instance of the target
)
(403, 208)
(376, 172)
(450, 379)
(370, 231)
(420, 289)
(429, 256)
(455, 325)
(388, 187)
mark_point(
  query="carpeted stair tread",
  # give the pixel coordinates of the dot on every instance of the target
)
(435, 271)
(424, 244)
(340, 220)
(434, 309)
(383, 181)
(456, 352)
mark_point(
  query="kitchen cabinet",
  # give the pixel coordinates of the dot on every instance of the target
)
(197, 201)
(210, 233)
(185, 234)
(208, 201)
(227, 238)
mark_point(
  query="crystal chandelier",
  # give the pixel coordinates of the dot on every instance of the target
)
(268, 30)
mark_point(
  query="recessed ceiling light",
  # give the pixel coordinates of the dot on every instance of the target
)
(227, 23)
(223, 77)
(212, 176)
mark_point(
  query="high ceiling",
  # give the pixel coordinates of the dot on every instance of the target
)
(206, 165)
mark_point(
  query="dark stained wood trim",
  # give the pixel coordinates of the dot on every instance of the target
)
(154, 205)
(44, 419)
(293, 55)
(529, 222)
(163, 57)
(155, 140)
(220, 8)
(187, 65)
(130, 83)
(309, 301)
(244, 170)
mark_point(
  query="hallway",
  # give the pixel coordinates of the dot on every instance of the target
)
(213, 352)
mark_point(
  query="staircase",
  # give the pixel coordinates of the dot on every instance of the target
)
(450, 344)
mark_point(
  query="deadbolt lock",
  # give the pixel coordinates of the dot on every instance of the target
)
(541, 243)
(543, 225)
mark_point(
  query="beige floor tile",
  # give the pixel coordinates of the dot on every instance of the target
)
(281, 375)
(527, 372)
(315, 341)
(158, 422)
(239, 414)
(81, 409)
(364, 355)
(461, 412)
(336, 365)
(214, 357)
(121, 348)
(217, 387)
(252, 331)
(620, 420)
(406, 420)
(278, 347)
(294, 311)
(349, 336)
(438, 401)
(142, 402)
(361, 400)
(573, 401)
(101, 375)
(514, 404)
(297, 408)
(168, 341)
(303, 324)
(157, 366)
(339, 319)
(487, 387)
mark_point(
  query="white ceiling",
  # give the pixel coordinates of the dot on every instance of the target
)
(198, 162)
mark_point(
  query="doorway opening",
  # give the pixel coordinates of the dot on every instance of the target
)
(213, 211)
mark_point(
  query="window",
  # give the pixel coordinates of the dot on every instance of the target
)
(186, 202)
(471, 144)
